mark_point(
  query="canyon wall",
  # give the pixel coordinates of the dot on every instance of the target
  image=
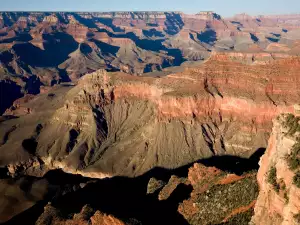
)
(115, 124)
(41, 49)
(278, 177)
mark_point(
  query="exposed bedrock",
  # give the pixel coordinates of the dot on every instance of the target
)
(41, 49)
(116, 124)
(278, 176)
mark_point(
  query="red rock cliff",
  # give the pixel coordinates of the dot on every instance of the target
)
(279, 197)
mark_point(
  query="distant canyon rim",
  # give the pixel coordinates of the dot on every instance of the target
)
(135, 116)
(119, 93)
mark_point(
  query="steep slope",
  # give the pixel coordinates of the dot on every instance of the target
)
(82, 61)
(278, 176)
(116, 124)
(35, 44)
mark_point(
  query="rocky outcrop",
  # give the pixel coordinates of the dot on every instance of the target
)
(87, 216)
(52, 19)
(278, 200)
(111, 124)
(134, 42)
(219, 197)
(82, 61)
(78, 31)
(91, 129)
(197, 106)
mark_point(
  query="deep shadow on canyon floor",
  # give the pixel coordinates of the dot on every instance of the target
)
(126, 198)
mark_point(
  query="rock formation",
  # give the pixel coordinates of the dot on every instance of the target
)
(92, 128)
(120, 95)
(226, 193)
(52, 216)
(219, 198)
(133, 42)
(278, 178)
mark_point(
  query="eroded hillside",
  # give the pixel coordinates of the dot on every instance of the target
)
(149, 118)
(116, 124)
(41, 49)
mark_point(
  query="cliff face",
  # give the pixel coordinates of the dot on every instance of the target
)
(116, 124)
(43, 46)
(279, 197)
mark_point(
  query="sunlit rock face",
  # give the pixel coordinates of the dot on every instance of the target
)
(116, 124)
(60, 47)
(121, 95)
(231, 74)
(278, 200)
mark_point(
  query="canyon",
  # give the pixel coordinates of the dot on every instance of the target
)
(115, 124)
(136, 116)
(41, 49)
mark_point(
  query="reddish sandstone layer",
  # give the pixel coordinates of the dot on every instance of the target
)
(221, 86)
(220, 107)
(78, 31)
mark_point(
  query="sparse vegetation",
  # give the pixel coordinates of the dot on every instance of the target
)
(292, 123)
(272, 179)
(240, 219)
(293, 159)
(220, 200)
(285, 192)
(283, 186)
(168, 189)
(296, 179)
(180, 93)
(297, 217)
(286, 197)
(155, 185)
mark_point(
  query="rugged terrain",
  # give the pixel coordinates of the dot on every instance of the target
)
(116, 124)
(183, 196)
(41, 49)
(148, 118)
(278, 176)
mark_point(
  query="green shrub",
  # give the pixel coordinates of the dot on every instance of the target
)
(292, 123)
(290, 117)
(272, 179)
(154, 185)
(293, 162)
(294, 127)
(296, 179)
(216, 203)
(297, 217)
(293, 159)
(283, 186)
(286, 197)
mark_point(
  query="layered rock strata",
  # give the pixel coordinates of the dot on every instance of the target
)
(116, 124)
